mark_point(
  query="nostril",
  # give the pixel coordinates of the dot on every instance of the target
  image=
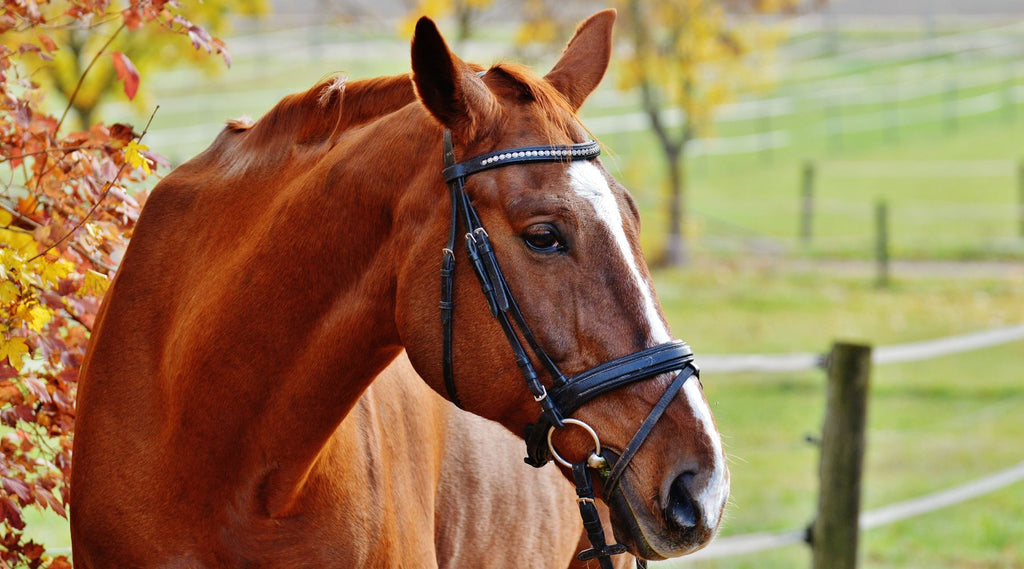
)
(681, 510)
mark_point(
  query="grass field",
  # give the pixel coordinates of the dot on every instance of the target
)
(931, 424)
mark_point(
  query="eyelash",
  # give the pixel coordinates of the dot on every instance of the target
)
(544, 238)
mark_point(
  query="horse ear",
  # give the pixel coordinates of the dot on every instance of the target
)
(447, 86)
(585, 59)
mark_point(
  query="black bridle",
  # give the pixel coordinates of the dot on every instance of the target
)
(566, 394)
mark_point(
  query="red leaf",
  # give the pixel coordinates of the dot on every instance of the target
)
(47, 498)
(32, 550)
(15, 487)
(48, 43)
(37, 388)
(11, 513)
(126, 72)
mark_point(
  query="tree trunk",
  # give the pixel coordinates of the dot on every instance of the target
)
(464, 16)
(86, 115)
(677, 252)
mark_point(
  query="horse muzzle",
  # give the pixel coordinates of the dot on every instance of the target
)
(682, 518)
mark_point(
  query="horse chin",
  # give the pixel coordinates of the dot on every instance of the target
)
(640, 525)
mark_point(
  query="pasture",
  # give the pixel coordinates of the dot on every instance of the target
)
(931, 424)
(754, 288)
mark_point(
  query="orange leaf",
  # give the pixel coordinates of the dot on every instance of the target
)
(48, 44)
(60, 563)
(27, 205)
(32, 550)
(126, 72)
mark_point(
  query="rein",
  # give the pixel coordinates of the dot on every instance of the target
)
(566, 394)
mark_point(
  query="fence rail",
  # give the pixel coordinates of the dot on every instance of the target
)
(764, 541)
(896, 353)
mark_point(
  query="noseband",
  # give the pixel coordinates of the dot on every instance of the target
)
(566, 394)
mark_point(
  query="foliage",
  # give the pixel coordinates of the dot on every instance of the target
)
(81, 37)
(691, 55)
(65, 217)
(464, 11)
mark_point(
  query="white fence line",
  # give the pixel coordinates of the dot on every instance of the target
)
(941, 499)
(897, 353)
(756, 542)
(993, 168)
(917, 351)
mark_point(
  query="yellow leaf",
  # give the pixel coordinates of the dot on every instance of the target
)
(18, 241)
(6, 218)
(9, 292)
(133, 155)
(53, 271)
(94, 284)
(38, 317)
(13, 350)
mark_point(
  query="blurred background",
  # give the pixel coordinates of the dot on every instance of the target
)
(807, 172)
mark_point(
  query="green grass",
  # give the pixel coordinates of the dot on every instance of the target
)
(766, 307)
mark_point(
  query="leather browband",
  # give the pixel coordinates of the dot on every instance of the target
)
(522, 155)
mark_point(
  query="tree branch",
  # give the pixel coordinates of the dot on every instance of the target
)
(49, 150)
(106, 191)
(81, 78)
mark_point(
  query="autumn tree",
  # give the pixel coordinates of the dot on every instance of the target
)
(691, 55)
(80, 39)
(65, 215)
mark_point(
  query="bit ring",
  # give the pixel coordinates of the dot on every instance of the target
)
(584, 426)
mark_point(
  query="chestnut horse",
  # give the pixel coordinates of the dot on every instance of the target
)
(271, 278)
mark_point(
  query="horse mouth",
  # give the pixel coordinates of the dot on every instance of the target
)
(659, 528)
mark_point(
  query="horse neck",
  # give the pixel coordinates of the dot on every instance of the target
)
(309, 279)
(372, 208)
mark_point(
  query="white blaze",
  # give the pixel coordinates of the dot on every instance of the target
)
(713, 496)
(588, 181)
(590, 184)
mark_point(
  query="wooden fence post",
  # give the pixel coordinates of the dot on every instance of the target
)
(1020, 195)
(835, 531)
(882, 243)
(807, 203)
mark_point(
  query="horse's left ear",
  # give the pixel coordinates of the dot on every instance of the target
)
(447, 86)
(585, 59)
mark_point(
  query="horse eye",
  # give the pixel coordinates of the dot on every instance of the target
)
(543, 238)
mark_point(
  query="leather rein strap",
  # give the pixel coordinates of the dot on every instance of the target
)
(566, 395)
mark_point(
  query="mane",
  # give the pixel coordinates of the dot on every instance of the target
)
(316, 118)
(526, 85)
(313, 118)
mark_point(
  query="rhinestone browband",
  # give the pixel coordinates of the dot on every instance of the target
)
(526, 154)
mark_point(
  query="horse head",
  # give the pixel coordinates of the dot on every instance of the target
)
(565, 236)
